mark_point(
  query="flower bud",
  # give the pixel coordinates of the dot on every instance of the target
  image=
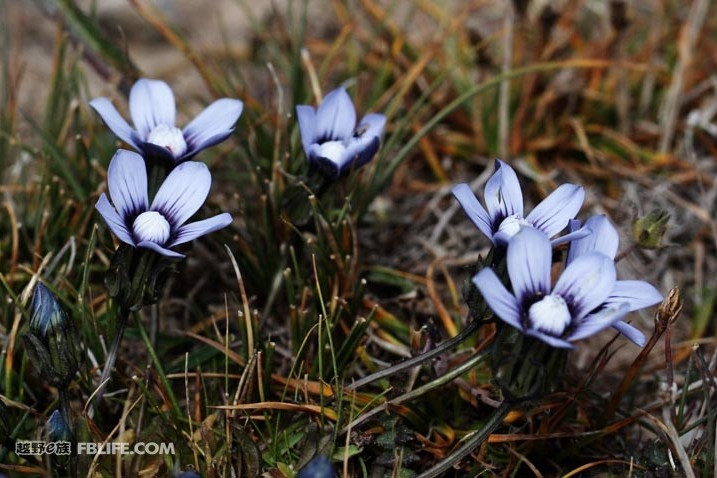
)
(319, 467)
(51, 340)
(57, 428)
(648, 230)
(45, 311)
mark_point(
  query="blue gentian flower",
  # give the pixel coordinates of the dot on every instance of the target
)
(158, 226)
(151, 105)
(504, 203)
(637, 294)
(318, 467)
(558, 315)
(332, 141)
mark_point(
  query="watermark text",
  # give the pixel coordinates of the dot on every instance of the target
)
(92, 448)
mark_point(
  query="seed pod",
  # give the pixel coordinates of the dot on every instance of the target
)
(649, 230)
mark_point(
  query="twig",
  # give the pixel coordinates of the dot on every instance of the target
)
(419, 359)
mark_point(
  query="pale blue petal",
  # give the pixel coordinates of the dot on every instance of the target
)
(183, 192)
(503, 196)
(586, 283)
(529, 258)
(113, 220)
(607, 239)
(574, 225)
(127, 183)
(571, 236)
(193, 230)
(114, 121)
(360, 152)
(364, 141)
(160, 250)
(636, 293)
(472, 207)
(335, 117)
(207, 143)
(502, 302)
(306, 116)
(604, 238)
(631, 333)
(213, 125)
(549, 339)
(151, 102)
(594, 323)
(370, 125)
(553, 213)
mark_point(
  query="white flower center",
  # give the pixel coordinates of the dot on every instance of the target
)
(168, 137)
(550, 315)
(151, 226)
(512, 224)
(334, 151)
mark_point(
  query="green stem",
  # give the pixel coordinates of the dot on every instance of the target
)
(470, 444)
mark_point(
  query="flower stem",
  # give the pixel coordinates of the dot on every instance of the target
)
(470, 444)
(122, 318)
